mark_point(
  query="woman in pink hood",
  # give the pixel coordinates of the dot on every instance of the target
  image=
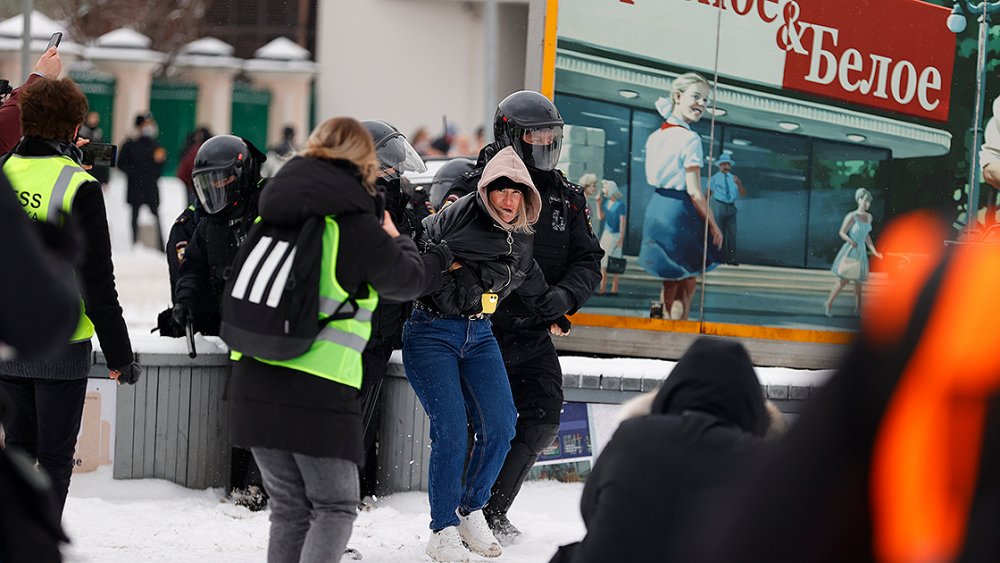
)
(452, 359)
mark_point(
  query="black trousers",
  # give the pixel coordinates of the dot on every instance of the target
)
(154, 209)
(44, 423)
(536, 384)
(387, 334)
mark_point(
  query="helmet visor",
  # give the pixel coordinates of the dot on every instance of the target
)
(396, 155)
(540, 148)
(213, 187)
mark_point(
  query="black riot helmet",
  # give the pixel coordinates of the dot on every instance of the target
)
(395, 155)
(530, 123)
(445, 177)
(226, 170)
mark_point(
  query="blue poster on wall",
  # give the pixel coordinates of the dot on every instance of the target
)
(573, 442)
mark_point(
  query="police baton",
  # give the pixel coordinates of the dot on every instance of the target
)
(189, 331)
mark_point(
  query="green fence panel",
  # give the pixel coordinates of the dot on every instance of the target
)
(100, 91)
(173, 104)
(250, 114)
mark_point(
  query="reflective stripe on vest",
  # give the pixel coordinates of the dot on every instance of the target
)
(336, 352)
(51, 183)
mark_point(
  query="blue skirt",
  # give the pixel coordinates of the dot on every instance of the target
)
(672, 238)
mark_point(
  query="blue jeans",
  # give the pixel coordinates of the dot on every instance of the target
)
(457, 372)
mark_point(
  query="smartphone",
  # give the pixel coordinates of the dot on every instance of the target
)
(100, 154)
(54, 40)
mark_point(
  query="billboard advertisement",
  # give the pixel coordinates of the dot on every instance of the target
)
(740, 157)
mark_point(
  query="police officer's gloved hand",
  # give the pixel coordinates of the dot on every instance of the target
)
(182, 314)
(555, 303)
(563, 323)
(129, 374)
(166, 324)
(469, 292)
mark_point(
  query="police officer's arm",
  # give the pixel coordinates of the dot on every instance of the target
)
(583, 260)
(180, 236)
(98, 277)
(392, 264)
(193, 274)
(39, 303)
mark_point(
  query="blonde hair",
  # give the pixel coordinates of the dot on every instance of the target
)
(613, 192)
(588, 179)
(685, 81)
(344, 138)
(862, 193)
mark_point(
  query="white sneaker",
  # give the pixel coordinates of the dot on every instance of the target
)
(445, 546)
(476, 534)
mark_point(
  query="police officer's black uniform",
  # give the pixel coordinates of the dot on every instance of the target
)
(569, 255)
(395, 156)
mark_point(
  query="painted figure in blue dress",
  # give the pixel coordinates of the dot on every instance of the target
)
(673, 231)
(856, 232)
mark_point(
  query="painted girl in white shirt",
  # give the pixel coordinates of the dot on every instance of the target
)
(673, 229)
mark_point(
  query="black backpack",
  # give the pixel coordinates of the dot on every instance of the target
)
(270, 306)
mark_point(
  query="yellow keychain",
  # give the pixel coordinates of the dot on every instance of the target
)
(490, 301)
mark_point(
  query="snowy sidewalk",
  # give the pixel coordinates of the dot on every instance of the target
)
(154, 521)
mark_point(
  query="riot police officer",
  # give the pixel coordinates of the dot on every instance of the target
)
(395, 156)
(569, 255)
(442, 187)
(227, 181)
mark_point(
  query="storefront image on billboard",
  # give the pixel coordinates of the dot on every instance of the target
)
(735, 205)
(888, 55)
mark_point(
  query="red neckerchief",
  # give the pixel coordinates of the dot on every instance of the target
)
(668, 125)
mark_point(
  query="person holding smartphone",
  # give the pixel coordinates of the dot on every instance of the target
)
(49, 65)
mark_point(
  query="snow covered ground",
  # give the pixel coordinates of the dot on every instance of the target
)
(157, 521)
(154, 521)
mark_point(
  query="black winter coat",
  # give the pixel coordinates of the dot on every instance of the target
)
(564, 247)
(656, 487)
(137, 159)
(290, 410)
(499, 261)
(208, 255)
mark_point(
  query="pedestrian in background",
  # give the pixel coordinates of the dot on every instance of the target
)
(91, 130)
(302, 417)
(49, 393)
(726, 189)
(851, 263)
(612, 213)
(185, 167)
(141, 159)
(281, 153)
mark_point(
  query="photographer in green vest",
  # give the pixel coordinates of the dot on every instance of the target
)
(52, 186)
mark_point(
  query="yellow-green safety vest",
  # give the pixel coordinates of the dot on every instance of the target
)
(44, 186)
(336, 352)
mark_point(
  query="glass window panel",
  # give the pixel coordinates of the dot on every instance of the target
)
(772, 217)
(838, 171)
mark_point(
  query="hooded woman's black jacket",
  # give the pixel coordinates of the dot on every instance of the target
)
(494, 258)
(286, 409)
